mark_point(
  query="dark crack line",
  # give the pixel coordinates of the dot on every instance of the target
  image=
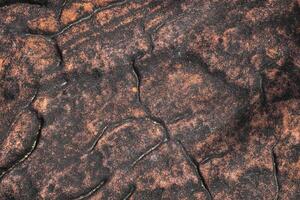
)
(149, 151)
(146, 109)
(213, 156)
(132, 189)
(161, 123)
(98, 138)
(61, 9)
(138, 78)
(35, 142)
(107, 127)
(59, 54)
(93, 190)
(194, 163)
(4, 3)
(61, 63)
(275, 170)
(182, 116)
(88, 17)
(149, 37)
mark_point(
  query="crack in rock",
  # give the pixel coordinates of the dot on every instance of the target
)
(275, 170)
(195, 165)
(92, 191)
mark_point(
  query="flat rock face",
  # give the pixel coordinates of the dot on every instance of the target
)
(149, 99)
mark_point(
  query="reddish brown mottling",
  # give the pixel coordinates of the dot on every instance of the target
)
(148, 99)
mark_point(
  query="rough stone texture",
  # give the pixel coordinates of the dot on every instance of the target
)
(152, 99)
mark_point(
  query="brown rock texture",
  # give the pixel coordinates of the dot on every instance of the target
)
(149, 99)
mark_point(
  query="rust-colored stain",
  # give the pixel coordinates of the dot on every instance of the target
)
(152, 99)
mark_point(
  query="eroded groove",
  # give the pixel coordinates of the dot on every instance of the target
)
(32, 2)
(275, 170)
(132, 188)
(35, 142)
(88, 17)
(93, 190)
(195, 164)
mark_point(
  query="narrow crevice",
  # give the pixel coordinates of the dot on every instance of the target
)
(98, 137)
(61, 63)
(61, 9)
(32, 2)
(150, 150)
(161, 25)
(35, 142)
(155, 119)
(213, 156)
(59, 54)
(195, 165)
(132, 189)
(138, 79)
(149, 37)
(93, 190)
(188, 113)
(275, 170)
(161, 123)
(82, 19)
(107, 127)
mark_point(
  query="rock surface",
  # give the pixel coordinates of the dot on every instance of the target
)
(152, 99)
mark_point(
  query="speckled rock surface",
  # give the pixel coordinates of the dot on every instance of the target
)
(149, 99)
